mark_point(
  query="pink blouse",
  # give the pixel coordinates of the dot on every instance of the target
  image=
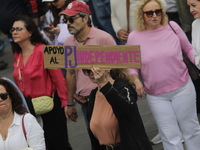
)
(33, 80)
(163, 69)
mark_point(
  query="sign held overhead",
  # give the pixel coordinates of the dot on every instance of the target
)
(80, 57)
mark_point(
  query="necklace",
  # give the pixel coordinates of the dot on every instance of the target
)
(81, 41)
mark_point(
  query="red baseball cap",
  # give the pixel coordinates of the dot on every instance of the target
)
(76, 7)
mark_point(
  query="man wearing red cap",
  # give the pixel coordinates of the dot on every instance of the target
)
(83, 33)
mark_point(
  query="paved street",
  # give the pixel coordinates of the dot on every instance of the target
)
(77, 131)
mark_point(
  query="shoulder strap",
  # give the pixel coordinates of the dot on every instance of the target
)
(171, 27)
(127, 13)
(23, 127)
(192, 69)
(18, 67)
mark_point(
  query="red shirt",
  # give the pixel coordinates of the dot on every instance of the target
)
(37, 81)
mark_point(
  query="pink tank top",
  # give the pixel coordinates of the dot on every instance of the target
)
(104, 124)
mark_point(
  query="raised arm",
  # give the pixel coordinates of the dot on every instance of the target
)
(71, 86)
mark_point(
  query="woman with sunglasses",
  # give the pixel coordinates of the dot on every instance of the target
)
(35, 81)
(12, 118)
(114, 119)
(169, 90)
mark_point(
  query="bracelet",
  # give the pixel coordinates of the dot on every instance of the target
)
(72, 104)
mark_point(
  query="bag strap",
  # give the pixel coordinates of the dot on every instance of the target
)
(23, 127)
(19, 71)
(175, 33)
(192, 68)
(127, 13)
(172, 28)
(184, 54)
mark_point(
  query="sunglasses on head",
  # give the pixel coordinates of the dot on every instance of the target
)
(150, 13)
(86, 72)
(17, 29)
(4, 96)
(70, 19)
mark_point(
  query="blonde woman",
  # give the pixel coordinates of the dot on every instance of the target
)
(169, 90)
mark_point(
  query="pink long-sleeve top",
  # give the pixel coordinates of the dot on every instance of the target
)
(37, 81)
(163, 69)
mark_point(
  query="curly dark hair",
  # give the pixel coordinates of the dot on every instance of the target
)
(36, 37)
(15, 97)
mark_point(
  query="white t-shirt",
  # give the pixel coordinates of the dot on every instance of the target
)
(16, 139)
(196, 40)
(118, 14)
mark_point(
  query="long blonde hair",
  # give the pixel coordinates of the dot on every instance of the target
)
(139, 17)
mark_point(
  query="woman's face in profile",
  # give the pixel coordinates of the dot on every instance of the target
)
(19, 32)
(5, 101)
(152, 15)
(194, 8)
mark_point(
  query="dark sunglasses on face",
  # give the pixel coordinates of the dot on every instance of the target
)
(70, 19)
(4, 96)
(150, 13)
(86, 72)
(17, 29)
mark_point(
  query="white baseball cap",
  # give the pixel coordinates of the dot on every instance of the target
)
(47, 0)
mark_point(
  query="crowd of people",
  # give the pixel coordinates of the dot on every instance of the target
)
(108, 98)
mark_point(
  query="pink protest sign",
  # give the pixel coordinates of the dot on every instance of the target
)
(118, 56)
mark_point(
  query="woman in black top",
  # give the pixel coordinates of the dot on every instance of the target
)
(121, 96)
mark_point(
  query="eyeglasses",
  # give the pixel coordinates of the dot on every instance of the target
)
(150, 13)
(4, 96)
(70, 19)
(86, 72)
(17, 29)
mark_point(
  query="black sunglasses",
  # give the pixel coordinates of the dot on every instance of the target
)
(86, 72)
(4, 96)
(17, 29)
(150, 13)
(70, 19)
